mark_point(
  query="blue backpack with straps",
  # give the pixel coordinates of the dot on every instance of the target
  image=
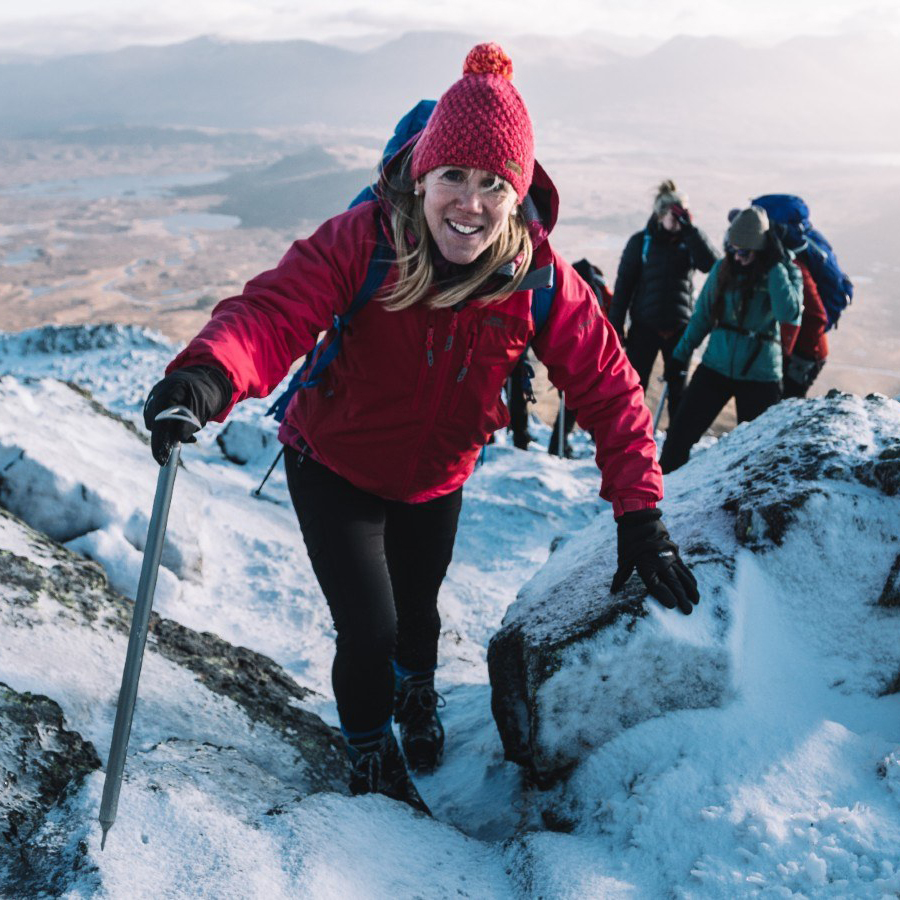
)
(310, 373)
(835, 288)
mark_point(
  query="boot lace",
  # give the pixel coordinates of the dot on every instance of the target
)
(367, 770)
(419, 702)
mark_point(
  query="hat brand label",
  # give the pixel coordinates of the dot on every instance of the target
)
(513, 166)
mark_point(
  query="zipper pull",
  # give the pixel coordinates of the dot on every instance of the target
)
(453, 322)
(429, 345)
(468, 360)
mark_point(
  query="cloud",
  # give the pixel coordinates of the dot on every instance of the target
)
(49, 26)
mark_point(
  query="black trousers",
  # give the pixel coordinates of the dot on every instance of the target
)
(518, 409)
(703, 400)
(793, 388)
(380, 564)
(568, 425)
(641, 347)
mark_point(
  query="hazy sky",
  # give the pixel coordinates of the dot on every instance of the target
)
(47, 26)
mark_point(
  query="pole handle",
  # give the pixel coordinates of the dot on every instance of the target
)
(180, 414)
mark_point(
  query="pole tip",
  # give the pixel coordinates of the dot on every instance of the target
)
(103, 839)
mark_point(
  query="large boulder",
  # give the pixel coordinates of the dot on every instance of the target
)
(573, 665)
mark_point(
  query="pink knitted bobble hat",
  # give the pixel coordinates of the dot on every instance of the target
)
(481, 122)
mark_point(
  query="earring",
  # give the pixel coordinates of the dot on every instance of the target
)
(415, 192)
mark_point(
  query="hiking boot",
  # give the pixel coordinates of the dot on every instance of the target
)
(378, 768)
(553, 448)
(416, 705)
(522, 439)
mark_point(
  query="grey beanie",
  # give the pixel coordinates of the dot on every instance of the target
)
(748, 229)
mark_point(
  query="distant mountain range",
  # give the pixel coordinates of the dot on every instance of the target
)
(828, 92)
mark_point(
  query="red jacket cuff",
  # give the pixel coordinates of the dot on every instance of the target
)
(630, 504)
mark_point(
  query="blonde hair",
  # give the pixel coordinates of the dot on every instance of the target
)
(415, 268)
(668, 195)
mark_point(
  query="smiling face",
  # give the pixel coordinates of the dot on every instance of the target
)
(466, 210)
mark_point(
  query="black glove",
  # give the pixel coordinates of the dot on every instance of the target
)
(682, 215)
(204, 390)
(675, 370)
(779, 254)
(644, 543)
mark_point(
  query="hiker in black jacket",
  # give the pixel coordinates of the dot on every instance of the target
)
(655, 284)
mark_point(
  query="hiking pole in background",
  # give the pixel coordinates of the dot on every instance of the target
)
(139, 624)
(269, 472)
(660, 405)
(561, 425)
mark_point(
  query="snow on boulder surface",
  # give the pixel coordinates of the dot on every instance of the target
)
(782, 717)
(573, 665)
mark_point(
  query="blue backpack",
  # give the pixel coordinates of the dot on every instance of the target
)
(541, 282)
(835, 288)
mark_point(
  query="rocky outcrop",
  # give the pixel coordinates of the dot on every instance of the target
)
(243, 442)
(64, 630)
(39, 759)
(69, 339)
(573, 665)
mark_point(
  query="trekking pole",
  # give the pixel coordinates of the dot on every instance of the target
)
(271, 469)
(561, 425)
(659, 408)
(140, 622)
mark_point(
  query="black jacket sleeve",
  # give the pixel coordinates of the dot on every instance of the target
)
(703, 254)
(627, 279)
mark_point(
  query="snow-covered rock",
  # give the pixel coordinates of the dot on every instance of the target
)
(77, 339)
(574, 666)
(39, 759)
(205, 708)
(244, 442)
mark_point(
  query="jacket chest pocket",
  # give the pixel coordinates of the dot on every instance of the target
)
(492, 347)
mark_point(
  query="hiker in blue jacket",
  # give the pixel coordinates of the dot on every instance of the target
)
(748, 293)
(655, 286)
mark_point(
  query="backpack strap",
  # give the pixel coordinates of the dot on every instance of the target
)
(758, 336)
(318, 360)
(542, 283)
(645, 246)
(543, 290)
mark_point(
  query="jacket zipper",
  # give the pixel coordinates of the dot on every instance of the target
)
(464, 370)
(439, 380)
(427, 364)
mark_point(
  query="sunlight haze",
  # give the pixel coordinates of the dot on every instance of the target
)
(56, 27)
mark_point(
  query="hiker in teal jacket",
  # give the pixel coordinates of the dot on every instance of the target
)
(748, 293)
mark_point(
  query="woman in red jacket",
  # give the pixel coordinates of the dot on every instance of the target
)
(377, 452)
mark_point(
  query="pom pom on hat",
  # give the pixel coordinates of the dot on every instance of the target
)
(488, 59)
(481, 123)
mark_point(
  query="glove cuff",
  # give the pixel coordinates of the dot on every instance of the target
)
(211, 390)
(638, 517)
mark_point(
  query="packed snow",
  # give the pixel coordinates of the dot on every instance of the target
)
(786, 784)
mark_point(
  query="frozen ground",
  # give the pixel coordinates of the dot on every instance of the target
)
(789, 789)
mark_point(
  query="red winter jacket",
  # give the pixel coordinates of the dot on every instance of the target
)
(405, 408)
(808, 339)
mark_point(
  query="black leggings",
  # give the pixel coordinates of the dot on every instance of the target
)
(703, 400)
(380, 564)
(641, 347)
